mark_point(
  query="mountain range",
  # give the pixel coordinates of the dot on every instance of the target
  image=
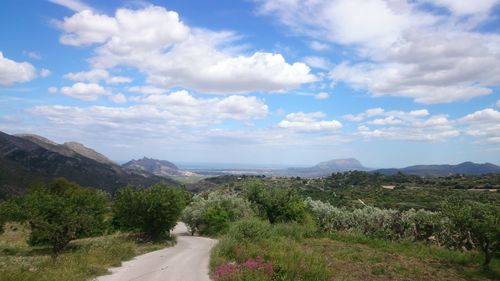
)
(28, 158)
(466, 168)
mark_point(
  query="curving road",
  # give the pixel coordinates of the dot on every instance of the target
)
(186, 261)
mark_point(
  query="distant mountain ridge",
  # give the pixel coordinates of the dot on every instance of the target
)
(157, 167)
(26, 158)
(466, 168)
(326, 168)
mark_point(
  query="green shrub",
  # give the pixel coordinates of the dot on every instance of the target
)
(390, 224)
(154, 211)
(479, 222)
(58, 212)
(211, 213)
(250, 230)
(277, 204)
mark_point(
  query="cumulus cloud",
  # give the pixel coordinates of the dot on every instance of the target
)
(96, 75)
(309, 122)
(162, 113)
(415, 125)
(15, 72)
(118, 98)
(85, 91)
(403, 49)
(483, 124)
(156, 42)
(147, 90)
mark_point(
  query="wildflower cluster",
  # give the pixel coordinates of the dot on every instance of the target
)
(251, 269)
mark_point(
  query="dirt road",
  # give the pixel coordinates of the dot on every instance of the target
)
(186, 261)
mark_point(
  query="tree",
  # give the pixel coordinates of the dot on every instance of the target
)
(479, 220)
(277, 204)
(59, 212)
(154, 211)
(211, 213)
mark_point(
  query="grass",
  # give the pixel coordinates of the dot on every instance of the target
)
(299, 254)
(83, 259)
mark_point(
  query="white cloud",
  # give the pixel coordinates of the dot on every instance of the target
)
(147, 90)
(318, 62)
(118, 98)
(389, 120)
(85, 28)
(373, 23)
(169, 114)
(118, 80)
(483, 124)
(157, 43)
(403, 49)
(85, 91)
(361, 116)
(45, 72)
(318, 46)
(322, 96)
(15, 72)
(94, 75)
(415, 125)
(309, 122)
(465, 7)
(498, 103)
(74, 5)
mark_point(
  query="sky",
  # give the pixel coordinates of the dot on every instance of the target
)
(391, 83)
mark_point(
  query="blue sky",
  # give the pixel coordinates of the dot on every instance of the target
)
(268, 82)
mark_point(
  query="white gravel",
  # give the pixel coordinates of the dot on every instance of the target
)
(186, 261)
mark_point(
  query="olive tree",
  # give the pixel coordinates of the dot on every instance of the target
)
(154, 211)
(479, 221)
(211, 213)
(60, 211)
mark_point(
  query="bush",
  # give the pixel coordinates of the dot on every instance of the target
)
(277, 204)
(250, 230)
(480, 222)
(382, 223)
(211, 213)
(59, 212)
(154, 211)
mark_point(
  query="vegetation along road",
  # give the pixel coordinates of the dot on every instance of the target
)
(188, 260)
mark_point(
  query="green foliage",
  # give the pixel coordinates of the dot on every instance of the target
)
(390, 224)
(480, 222)
(250, 230)
(277, 204)
(85, 258)
(59, 212)
(211, 213)
(154, 211)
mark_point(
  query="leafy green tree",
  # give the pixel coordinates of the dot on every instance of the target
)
(277, 204)
(211, 213)
(59, 212)
(154, 211)
(479, 220)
